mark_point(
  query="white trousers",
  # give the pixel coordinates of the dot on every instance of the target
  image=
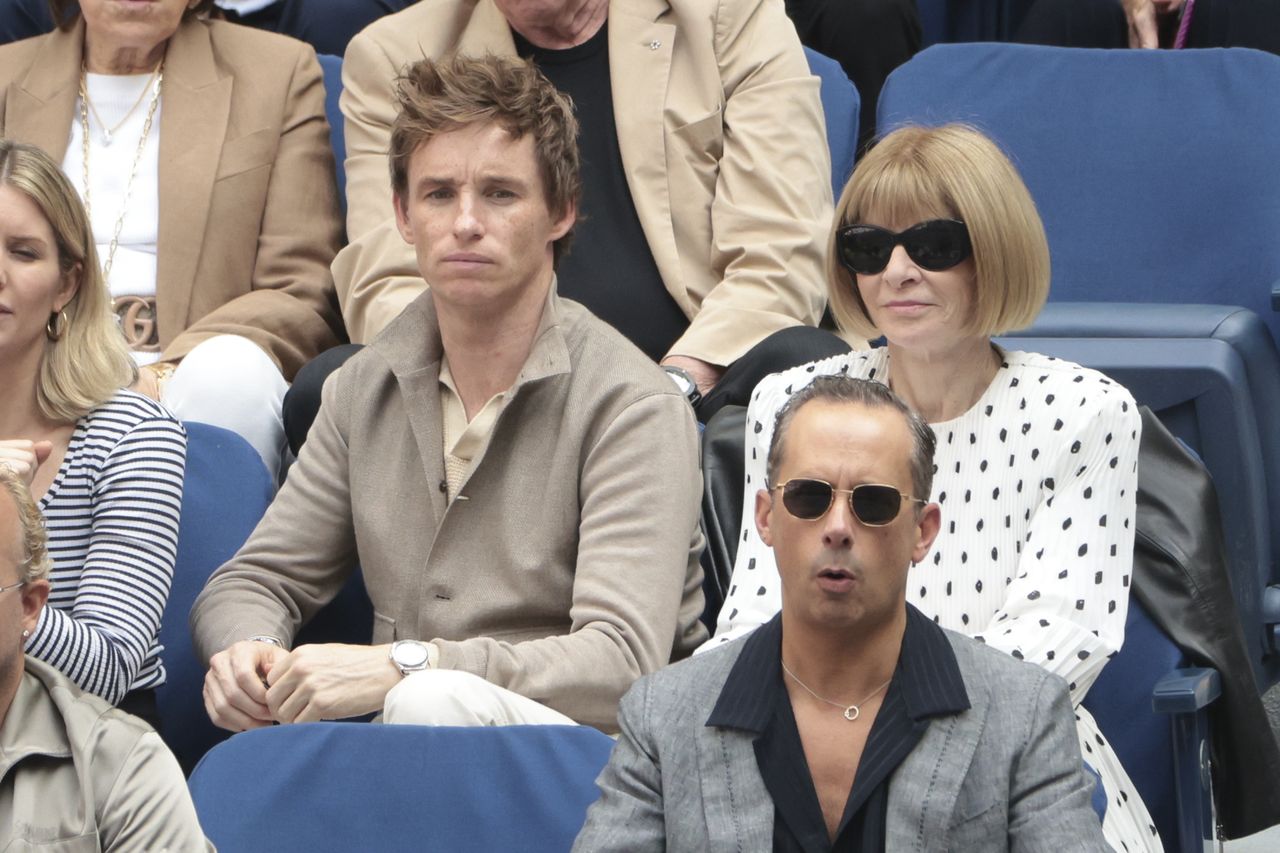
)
(445, 697)
(230, 382)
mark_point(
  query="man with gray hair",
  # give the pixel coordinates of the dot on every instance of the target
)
(850, 721)
(71, 766)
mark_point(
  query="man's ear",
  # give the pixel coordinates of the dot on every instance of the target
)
(927, 527)
(34, 596)
(402, 218)
(564, 222)
(764, 515)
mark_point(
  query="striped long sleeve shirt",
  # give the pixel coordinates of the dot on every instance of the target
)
(112, 520)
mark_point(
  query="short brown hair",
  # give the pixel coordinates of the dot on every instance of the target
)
(34, 562)
(437, 97)
(952, 171)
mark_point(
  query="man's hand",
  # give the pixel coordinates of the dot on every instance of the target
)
(1141, 15)
(24, 457)
(330, 681)
(706, 375)
(235, 690)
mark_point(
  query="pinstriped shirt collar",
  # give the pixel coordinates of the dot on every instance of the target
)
(927, 676)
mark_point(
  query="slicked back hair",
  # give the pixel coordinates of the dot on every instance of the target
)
(864, 392)
(436, 97)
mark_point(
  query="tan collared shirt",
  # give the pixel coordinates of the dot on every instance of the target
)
(464, 440)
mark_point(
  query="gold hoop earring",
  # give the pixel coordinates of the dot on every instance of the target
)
(56, 326)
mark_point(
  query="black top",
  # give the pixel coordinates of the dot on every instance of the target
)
(927, 683)
(609, 268)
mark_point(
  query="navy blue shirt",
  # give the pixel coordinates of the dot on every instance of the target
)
(926, 684)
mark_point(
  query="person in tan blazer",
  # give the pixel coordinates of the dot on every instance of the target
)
(231, 218)
(722, 144)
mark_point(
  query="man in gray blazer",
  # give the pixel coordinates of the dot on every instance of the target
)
(850, 721)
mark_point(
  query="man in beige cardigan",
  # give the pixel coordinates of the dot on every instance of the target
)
(518, 483)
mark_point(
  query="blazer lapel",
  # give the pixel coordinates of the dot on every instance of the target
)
(924, 788)
(41, 108)
(640, 48)
(737, 807)
(196, 104)
(487, 31)
(415, 361)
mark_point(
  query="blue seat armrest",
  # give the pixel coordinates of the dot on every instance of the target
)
(1185, 691)
(1275, 296)
(1271, 616)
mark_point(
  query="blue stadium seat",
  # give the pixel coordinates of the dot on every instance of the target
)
(1154, 171)
(1212, 375)
(319, 787)
(226, 490)
(840, 105)
(332, 68)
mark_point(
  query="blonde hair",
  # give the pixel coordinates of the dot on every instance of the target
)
(91, 360)
(436, 97)
(952, 171)
(34, 564)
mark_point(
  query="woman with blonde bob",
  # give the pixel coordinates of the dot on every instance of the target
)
(937, 246)
(106, 463)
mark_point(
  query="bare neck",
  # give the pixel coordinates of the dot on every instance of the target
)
(942, 386)
(842, 666)
(107, 59)
(487, 350)
(21, 417)
(569, 26)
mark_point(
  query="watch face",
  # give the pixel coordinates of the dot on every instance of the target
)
(682, 381)
(409, 654)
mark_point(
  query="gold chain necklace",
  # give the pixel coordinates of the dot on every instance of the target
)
(851, 712)
(108, 133)
(137, 157)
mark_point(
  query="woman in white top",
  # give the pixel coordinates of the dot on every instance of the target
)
(201, 151)
(937, 246)
(105, 463)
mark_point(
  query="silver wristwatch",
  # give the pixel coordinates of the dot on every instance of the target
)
(409, 656)
(266, 638)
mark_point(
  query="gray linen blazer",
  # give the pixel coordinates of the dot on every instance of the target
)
(1004, 775)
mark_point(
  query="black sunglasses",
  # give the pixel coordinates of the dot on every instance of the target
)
(872, 504)
(936, 245)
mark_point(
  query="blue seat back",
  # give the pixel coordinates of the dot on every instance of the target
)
(840, 105)
(226, 490)
(317, 787)
(1154, 171)
(1212, 375)
(332, 68)
(1120, 702)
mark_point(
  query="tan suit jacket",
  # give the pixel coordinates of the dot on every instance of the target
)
(79, 776)
(568, 563)
(722, 139)
(249, 217)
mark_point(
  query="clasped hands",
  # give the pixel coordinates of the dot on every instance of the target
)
(252, 684)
